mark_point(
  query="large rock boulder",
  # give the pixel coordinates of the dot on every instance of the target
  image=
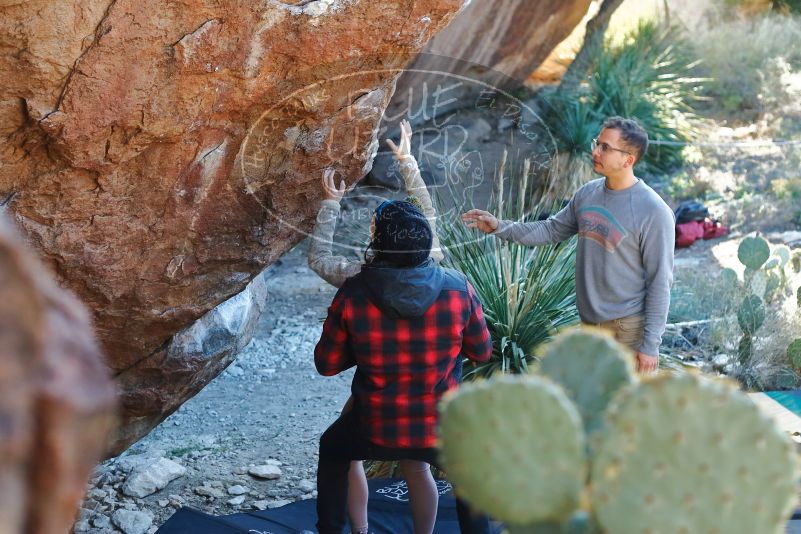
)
(56, 396)
(488, 46)
(159, 155)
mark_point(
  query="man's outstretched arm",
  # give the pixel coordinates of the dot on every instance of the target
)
(555, 229)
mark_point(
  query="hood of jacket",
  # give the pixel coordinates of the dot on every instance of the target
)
(403, 291)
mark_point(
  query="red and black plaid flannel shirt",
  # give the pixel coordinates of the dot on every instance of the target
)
(404, 365)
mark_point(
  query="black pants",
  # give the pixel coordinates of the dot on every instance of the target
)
(343, 443)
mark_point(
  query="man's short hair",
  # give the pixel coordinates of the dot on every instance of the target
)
(631, 133)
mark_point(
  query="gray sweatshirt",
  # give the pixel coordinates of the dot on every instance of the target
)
(624, 261)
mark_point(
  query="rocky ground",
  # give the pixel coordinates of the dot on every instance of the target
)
(246, 441)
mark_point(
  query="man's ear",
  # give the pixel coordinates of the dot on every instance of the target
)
(630, 161)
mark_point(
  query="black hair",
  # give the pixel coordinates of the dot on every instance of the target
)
(631, 133)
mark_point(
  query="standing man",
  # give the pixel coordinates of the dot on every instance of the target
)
(624, 263)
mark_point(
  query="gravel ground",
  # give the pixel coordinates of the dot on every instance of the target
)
(268, 408)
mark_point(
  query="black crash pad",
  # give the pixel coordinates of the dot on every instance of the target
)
(388, 512)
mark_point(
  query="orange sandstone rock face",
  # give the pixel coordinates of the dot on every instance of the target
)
(56, 396)
(160, 154)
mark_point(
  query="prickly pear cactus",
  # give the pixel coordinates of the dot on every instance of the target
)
(753, 252)
(591, 366)
(729, 276)
(756, 281)
(514, 448)
(745, 349)
(773, 282)
(783, 253)
(751, 314)
(682, 454)
(794, 354)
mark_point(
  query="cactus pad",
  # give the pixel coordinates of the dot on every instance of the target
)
(682, 454)
(745, 349)
(794, 354)
(751, 314)
(514, 448)
(729, 276)
(753, 252)
(591, 366)
(757, 282)
(783, 253)
(773, 283)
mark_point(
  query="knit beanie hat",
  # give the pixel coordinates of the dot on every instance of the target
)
(402, 234)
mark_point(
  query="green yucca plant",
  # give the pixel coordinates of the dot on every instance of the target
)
(527, 292)
(648, 77)
(574, 123)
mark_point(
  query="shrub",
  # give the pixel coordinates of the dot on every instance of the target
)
(649, 77)
(736, 56)
(574, 125)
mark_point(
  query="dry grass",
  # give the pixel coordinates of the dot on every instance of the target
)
(737, 56)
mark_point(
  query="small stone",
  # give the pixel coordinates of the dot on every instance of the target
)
(98, 494)
(132, 522)
(101, 521)
(152, 477)
(307, 486)
(261, 505)
(237, 490)
(235, 370)
(269, 471)
(236, 501)
(208, 491)
(82, 526)
(84, 514)
(720, 361)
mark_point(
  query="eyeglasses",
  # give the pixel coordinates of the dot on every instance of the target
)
(606, 147)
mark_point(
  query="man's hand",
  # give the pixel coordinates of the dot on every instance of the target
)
(332, 192)
(647, 363)
(483, 220)
(404, 149)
